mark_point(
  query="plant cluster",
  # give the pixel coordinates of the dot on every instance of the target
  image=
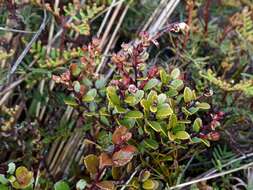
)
(171, 106)
(141, 109)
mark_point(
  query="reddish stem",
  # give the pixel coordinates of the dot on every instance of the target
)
(206, 16)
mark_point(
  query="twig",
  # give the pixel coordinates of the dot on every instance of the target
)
(16, 30)
(130, 178)
(245, 166)
(105, 19)
(23, 54)
(231, 162)
(112, 37)
(206, 16)
(62, 28)
(183, 172)
(189, 21)
(102, 12)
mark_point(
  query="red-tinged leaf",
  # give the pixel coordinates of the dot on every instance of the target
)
(23, 176)
(106, 185)
(56, 78)
(121, 135)
(213, 136)
(74, 69)
(123, 156)
(105, 160)
(152, 71)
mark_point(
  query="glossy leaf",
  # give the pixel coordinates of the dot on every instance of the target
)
(91, 163)
(197, 124)
(112, 95)
(121, 135)
(187, 95)
(81, 184)
(61, 185)
(164, 76)
(172, 121)
(164, 111)
(134, 115)
(23, 176)
(104, 160)
(150, 143)
(11, 168)
(175, 73)
(90, 96)
(150, 184)
(203, 105)
(154, 125)
(76, 86)
(124, 155)
(151, 84)
(182, 135)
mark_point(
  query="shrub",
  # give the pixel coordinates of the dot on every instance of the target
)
(147, 113)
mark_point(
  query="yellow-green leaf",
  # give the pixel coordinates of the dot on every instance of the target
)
(182, 135)
(155, 125)
(151, 84)
(187, 94)
(134, 115)
(175, 73)
(91, 163)
(203, 105)
(164, 111)
(197, 124)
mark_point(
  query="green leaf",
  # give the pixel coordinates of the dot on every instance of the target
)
(155, 125)
(182, 135)
(185, 111)
(193, 110)
(187, 94)
(196, 140)
(77, 86)
(11, 168)
(172, 121)
(130, 99)
(150, 143)
(70, 101)
(112, 95)
(119, 109)
(134, 115)
(3, 179)
(175, 73)
(172, 92)
(203, 105)
(206, 142)
(149, 184)
(3, 187)
(81, 184)
(100, 83)
(161, 98)
(197, 124)
(163, 76)
(151, 84)
(90, 95)
(138, 96)
(61, 185)
(177, 84)
(144, 103)
(164, 111)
